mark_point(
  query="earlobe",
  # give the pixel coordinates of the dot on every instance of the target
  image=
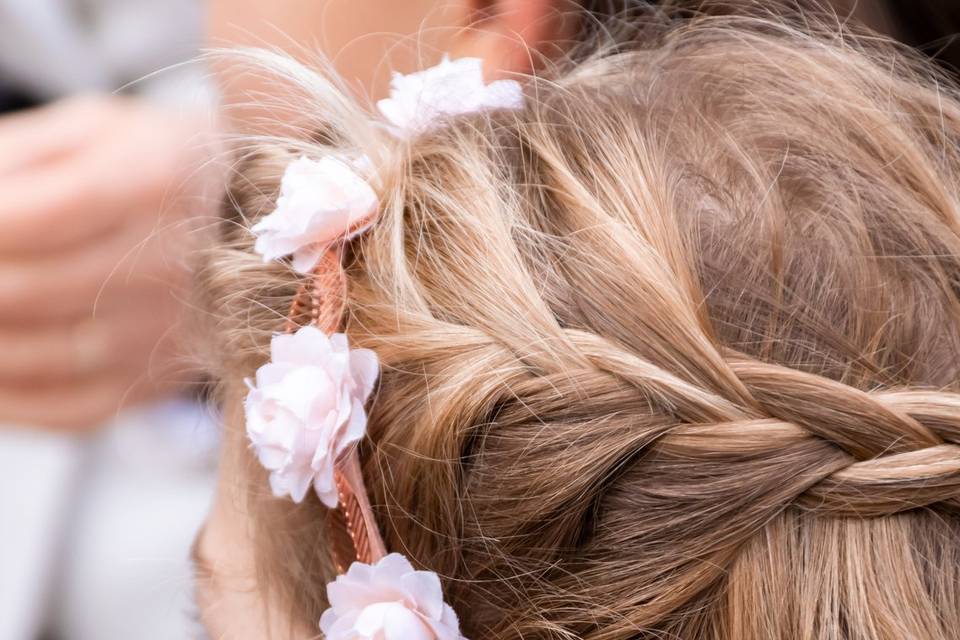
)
(515, 36)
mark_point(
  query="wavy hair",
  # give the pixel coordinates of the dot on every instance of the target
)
(673, 352)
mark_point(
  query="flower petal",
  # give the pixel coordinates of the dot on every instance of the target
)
(364, 369)
(306, 257)
(388, 600)
(321, 201)
(453, 87)
(423, 587)
(303, 411)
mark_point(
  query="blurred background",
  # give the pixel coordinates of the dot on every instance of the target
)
(108, 176)
(107, 451)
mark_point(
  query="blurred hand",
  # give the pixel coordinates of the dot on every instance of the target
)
(96, 200)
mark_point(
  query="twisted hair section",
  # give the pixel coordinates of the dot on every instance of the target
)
(673, 352)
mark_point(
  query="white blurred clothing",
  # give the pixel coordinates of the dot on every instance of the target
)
(147, 487)
(38, 472)
(53, 48)
(94, 533)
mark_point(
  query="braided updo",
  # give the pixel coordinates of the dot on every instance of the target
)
(673, 352)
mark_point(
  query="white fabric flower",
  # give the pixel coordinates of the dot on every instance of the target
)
(388, 601)
(320, 201)
(451, 88)
(306, 408)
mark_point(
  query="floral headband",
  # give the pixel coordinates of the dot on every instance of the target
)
(305, 409)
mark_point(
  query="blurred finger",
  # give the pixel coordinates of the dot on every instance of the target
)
(49, 132)
(53, 207)
(133, 166)
(75, 283)
(140, 336)
(74, 407)
(55, 354)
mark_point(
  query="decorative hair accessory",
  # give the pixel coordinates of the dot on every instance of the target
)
(388, 600)
(305, 409)
(451, 88)
(321, 201)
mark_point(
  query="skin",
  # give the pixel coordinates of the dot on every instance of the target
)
(228, 601)
(89, 313)
(100, 197)
(365, 41)
(91, 255)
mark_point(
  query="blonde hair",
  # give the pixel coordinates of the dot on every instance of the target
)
(673, 352)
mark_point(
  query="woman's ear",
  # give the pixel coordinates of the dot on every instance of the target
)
(513, 36)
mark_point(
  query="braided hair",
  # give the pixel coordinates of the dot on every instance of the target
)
(673, 352)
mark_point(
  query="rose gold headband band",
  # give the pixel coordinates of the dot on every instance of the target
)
(354, 535)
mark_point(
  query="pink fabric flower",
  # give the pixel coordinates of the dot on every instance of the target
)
(306, 408)
(388, 601)
(451, 88)
(320, 201)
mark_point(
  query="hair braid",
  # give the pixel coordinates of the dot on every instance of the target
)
(673, 352)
